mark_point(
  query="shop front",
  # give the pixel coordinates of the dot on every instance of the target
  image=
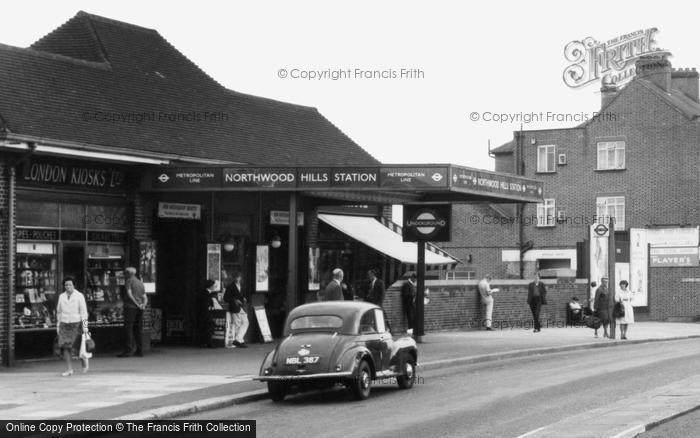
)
(72, 219)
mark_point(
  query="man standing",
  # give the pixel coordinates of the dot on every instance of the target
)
(536, 297)
(408, 299)
(487, 299)
(135, 301)
(334, 289)
(238, 314)
(376, 288)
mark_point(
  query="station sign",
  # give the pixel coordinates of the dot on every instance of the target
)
(414, 177)
(490, 182)
(187, 178)
(427, 222)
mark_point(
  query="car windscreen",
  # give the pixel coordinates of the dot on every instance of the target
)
(317, 322)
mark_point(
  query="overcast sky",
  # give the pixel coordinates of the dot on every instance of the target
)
(501, 57)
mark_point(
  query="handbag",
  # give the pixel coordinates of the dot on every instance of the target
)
(89, 343)
(619, 310)
(84, 353)
(592, 322)
(57, 348)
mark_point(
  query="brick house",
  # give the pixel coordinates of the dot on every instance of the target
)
(637, 160)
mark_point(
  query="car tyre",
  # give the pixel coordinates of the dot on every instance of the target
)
(277, 390)
(408, 378)
(361, 385)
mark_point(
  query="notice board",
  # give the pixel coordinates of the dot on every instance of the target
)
(261, 316)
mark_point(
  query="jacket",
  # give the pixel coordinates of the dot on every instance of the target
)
(540, 288)
(376, 292)
(234, 298)
(333, 291)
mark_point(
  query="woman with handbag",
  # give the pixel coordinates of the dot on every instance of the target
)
(624, 296)
(71, 323)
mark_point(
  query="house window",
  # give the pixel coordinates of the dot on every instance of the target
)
(611, 155)
(545, 213)
(611, 207)
(545, 158)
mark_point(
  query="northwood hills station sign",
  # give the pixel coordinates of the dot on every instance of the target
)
(449, 183)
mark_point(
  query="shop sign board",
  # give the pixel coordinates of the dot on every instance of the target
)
(279, 217)
(63, 173)
(355, 177)
(260, 177)
(172, 210)
(665, 257)
(427, 222)
(414, 177)
(263, 323)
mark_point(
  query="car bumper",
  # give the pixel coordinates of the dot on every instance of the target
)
(304, 377)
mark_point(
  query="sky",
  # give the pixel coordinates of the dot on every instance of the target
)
(410, 82)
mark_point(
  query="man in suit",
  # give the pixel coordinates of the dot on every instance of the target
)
(536, 297)
(334, 289)
(376, 288)
(408, 299)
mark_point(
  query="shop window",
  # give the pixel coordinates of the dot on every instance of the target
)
(37, 214)
(611, 155)
(545, 213)
(545, 158)
(73, 216)
(608, 207)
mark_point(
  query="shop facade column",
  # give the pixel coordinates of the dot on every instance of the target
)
(292, 259)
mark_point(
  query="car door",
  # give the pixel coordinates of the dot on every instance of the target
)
(385, 339)
(371, 337)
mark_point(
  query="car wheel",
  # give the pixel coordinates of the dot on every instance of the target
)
(408, 377)
(277, 391)
(361, 385)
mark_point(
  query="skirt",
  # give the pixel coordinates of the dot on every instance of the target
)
(69, 336)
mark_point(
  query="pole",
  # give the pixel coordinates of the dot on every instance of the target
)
(418, 331)
(292, 259)
(611, 275)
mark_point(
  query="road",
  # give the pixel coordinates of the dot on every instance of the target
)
(507, 398)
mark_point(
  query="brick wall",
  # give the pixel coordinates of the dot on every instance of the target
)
(455, 304)
(674, 293)
(5, 253)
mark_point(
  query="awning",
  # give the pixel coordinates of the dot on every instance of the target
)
(379, 236)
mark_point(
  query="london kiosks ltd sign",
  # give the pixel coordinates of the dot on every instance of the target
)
(427, 222)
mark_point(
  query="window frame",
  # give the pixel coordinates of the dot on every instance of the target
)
(604, 147)
(543, 207)
(550, 158)
(605, 217)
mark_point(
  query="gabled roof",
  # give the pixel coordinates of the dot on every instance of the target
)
(675, 98)
(103, 82)
(505, 148)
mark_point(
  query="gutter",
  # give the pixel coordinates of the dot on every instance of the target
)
(68, 148)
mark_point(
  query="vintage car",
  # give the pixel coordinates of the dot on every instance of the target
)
(337, 342)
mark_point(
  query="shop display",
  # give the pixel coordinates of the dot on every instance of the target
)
(35, 292)
(104, 291)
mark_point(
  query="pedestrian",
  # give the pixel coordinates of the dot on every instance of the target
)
(376, 289)
(334, 289)
(408, 299)
(238, 312)
(486, 293)
(625, 296)
(536, 298)
(71, 323)
(601, 306)
(135, 301)
(205, 323)
(591, 301)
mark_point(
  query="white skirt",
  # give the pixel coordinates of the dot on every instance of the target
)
(629, 314)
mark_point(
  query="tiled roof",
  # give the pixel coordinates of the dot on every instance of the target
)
(505, 148)
(676, 99)
(69, 83)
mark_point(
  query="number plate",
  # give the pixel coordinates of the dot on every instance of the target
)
(302, 360)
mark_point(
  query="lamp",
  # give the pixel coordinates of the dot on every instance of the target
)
(229, 245)
(276, 242)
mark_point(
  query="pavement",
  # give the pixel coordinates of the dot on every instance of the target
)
(173, 382)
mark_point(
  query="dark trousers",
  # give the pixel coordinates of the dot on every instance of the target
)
(409, 308)
(535, 307)
(205, 330)
(133, 321)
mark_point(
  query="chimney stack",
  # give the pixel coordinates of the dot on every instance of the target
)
(608, 91)
(656, 69)
(685, 80)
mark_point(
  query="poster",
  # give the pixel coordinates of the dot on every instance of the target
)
(147, 265)
(214, 264)
(314, 273)
(156, 324)
(262, 260)
(261, 316)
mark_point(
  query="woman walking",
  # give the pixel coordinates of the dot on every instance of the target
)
(625, 297)
(71, 322)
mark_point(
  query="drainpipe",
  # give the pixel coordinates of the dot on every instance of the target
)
(520, 207)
